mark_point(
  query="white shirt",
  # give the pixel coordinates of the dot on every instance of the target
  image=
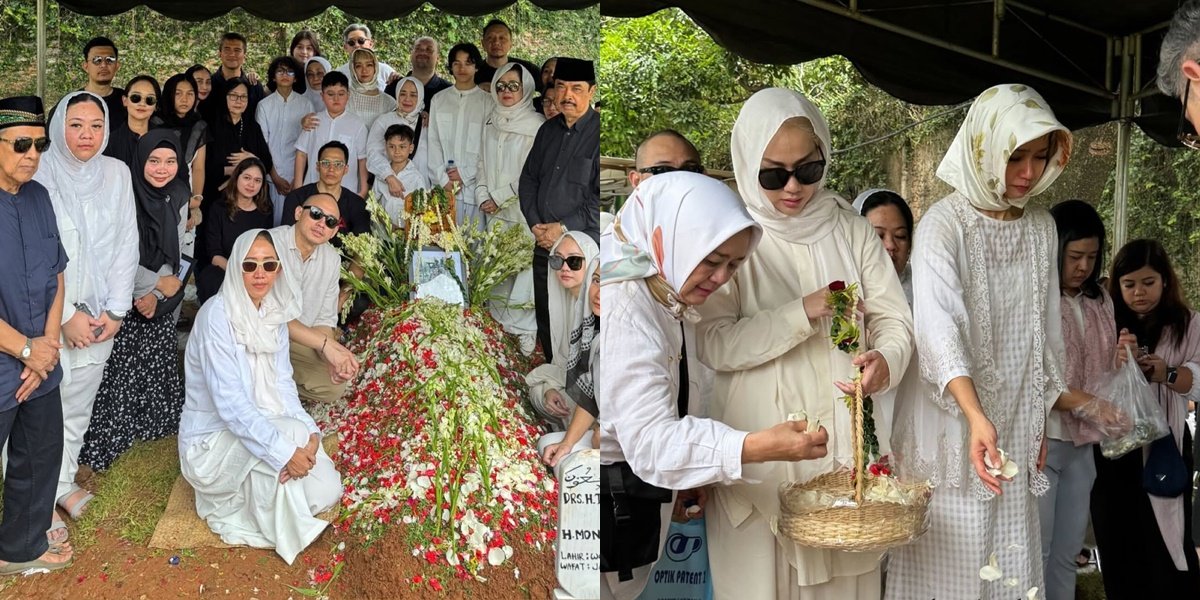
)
(455, 133)
(639, 421)
(377, 159)
(220, 390)
(411, 178)
(382, 73)
(347, 129)
(318, 277)
(280, 123)
(501, 159)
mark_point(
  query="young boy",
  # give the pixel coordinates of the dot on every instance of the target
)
(335, 124)
(399, 143)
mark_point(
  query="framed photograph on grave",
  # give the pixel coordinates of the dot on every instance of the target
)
(437, 273)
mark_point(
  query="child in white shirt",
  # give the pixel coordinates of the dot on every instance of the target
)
(399, 147)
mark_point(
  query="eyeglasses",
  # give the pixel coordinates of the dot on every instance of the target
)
(508, 86)
(22, 145)
(102, 60)
(285, 73)
(137, 99)
(250, 266)
(317, 214)
(807, 174)
(238, 97)
(660, 169)
(556, 262)
(331, 164)
(362, 41)
(1186, 132)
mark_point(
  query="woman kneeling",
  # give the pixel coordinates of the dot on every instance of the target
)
(246, 445)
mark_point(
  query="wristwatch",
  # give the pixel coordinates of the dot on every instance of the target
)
(28, 349)
(1172, 375)
(161, 296)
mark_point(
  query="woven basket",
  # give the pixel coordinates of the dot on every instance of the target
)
(869, 525)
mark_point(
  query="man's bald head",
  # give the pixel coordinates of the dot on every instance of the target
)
(326, 202)
(666, 149)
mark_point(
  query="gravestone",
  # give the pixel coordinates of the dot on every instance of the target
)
(578, 557)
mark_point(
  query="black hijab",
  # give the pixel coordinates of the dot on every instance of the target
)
(158, 208)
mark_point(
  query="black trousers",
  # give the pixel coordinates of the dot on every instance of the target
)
(541, 300)
(33, 433)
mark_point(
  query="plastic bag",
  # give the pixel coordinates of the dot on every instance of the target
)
(682, 572)
(1135, 409)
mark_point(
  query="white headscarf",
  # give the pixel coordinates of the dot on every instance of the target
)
(1002, 119)
(370, 88)
(414, 117)
(569, 312)
(80, 189)
(861, 199)
(519, 118)
(257, 330)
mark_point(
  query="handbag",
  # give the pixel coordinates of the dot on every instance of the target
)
(1165, 474)
(631, 509)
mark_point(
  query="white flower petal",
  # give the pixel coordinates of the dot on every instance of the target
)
(495, 557)
(1032, 593)
(1011, 582)
(991, 571)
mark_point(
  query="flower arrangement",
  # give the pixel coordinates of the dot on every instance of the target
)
(435, 207)
(844, 333)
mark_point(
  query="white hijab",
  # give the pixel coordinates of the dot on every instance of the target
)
(414, 117)
(371, 88)
(1003, 118)
(568, 312)
(82, 189)
(257, 330)
(519, 118)
(314, 95)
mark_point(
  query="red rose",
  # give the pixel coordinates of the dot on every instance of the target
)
(837, 286)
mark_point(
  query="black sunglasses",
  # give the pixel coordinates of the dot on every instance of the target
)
(556, 262)
(317, 214)
(137, 99)
(1186, 132)
(250, 266)
(660, 169)
(22, 145)
(807, 174)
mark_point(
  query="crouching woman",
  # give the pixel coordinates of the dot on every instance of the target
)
(246, 445)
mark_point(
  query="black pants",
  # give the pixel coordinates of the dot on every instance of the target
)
(33, 433)
(541, 301)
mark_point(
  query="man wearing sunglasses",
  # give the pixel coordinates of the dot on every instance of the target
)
(663, 152)
(101, 63)
(31, 306)
(355, 36)
(1179, 70)
(321, 365)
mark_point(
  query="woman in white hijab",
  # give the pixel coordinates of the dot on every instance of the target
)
(249, 449)
(410, 101)
(676, 241)
(92, 196)
(572, 325)
(314, 70)
(507, 138)
(366, 99)
(989, 337)
(767, 337)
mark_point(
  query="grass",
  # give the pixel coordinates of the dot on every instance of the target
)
(1089, 586)
(132, 495)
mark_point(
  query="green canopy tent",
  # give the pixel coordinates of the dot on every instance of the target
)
(1093, 60)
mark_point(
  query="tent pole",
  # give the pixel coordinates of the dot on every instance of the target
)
(997, 16)
(1124, 129)
(41, 48)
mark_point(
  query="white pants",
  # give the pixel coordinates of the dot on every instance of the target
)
(78, 396)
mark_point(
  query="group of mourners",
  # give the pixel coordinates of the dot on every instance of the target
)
(112, 205)
(986, 326)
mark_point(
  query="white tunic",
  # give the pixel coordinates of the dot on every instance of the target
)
(455, 133)
(280, 119)
(347, 129)
(987, 307)
(370, 108)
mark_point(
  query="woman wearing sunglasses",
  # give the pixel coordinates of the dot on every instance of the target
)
(767, 337)
(507, 138)
(986, 298)
(141, 393)
(141, 100)
(572, 325)
(249, 449)
(246, 205)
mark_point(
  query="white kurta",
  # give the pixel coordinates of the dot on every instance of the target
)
(411, 177)
(498, 174)
(348, 129)
(280, 119)
(377, 159)
(986, 307)
(232, 453)
(772, 361)
(455, 133)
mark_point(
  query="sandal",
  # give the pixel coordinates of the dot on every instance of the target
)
(35, 566)
(75, 510)
(57, 538)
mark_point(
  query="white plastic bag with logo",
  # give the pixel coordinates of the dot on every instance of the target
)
(682, 571)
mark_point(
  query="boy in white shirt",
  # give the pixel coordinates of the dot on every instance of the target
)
(335, 123)
(399, 145)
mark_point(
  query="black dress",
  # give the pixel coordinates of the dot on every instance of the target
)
(219, 237)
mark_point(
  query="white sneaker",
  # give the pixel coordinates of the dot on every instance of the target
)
(528, 343)
(189, 293)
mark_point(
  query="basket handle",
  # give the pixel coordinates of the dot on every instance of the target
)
(857, 440)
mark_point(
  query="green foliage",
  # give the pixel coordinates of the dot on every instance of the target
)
(151, 43)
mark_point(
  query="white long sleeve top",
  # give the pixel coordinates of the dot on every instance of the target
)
(499, 172)
(455, 133)
(280, 123)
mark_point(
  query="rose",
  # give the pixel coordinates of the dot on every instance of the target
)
(837, 286)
